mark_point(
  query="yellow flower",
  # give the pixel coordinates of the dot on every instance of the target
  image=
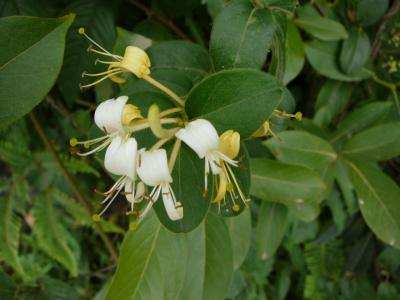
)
(135, 60)
(230, 143)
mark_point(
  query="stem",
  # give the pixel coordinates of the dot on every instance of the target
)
(145, 124)
(72, 184)
(174, 155)
(170, 111)
(166, 90)
(151, 14)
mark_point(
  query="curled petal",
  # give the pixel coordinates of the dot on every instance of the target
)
(173, 208)
(120, 158)
(201, 136)
(108, 115)
(152, 167)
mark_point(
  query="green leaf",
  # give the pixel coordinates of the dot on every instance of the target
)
(355, 51)
(381, 142)
(271, 228)
(215, 6)
(305, 212)
(323, 58)
(240, 233)
(294, 53)
(332, 98)
(244, 42)
(10, 226)
(50, 234)
(301, 148)
(126, 38)
(98, 21)
(8, 286)
(278, 182)
(338, 212)
(378, 197)
(34, 42)
(321, 28)
(240, 99)
(278, 49)
(157, 264)
(370, 11)
(188, 186)
(361, 118)
(154, 30)
(151, 263)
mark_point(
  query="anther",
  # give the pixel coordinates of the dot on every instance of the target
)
(96, 218)
(235, 207)
(83, 74)
(133, 226)
(81, 30)
(73, 142)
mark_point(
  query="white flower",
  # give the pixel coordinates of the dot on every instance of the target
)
(120, 159)
(202, 137)
(153, 171)
(110, 116)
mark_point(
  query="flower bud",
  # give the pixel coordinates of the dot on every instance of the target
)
(135, 60)
(230, 143)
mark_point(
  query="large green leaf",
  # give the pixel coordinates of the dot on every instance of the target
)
(381, 142)
(30, 61)
(355, 51)
(301, 148)
(294, 53)
(323, 58)
(51, 234)
(188, 186)
(278, 182)
(271, 228)
(97, 19)
(151, 264)
(370, 11)
(322, 28)
(378, 196)
(241, 36)
(240, 232)
(240, 99)
(157, 264)
(361, 118)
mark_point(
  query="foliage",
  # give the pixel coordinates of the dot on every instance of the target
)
(324, 217)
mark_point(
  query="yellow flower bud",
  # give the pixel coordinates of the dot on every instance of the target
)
(135, 60)
(130, 113)
(263, 130)
(230, 143)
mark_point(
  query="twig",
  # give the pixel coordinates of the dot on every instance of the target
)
(151, 14)
(376, 45)
(72, 184)
(318, 7)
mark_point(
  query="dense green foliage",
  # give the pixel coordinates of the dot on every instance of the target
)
(324, 217)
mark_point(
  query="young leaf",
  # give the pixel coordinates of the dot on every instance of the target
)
(378, 197)
(284, 183)
(241, 36)
(271, 228)
(381, 142)
(294, 53)
(323, 58)
(34, 42)
(50, 234)
(240, 99)
(321, 28)
(355, 51)
(301, 148)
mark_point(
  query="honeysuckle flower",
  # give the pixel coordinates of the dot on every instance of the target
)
(111, 117)
(120, 159)
(135, 60)
(153, 171)
(226, 181)
(202, 137)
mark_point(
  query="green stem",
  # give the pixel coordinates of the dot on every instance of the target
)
(69, 179)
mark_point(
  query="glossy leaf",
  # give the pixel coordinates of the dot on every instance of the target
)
(278, 182)
(355, 51)
(34, 42)
(301, 148)
(378, 197)
(321, 28)
(271, 228)
(370, 11)
(322, 57)
(379, 143)
(244, 42)
(278, 60)
(228, 96)
(294, 53)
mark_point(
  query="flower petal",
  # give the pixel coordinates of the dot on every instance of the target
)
(201, 136)
(120, 158)
(108, 115)
(153, 167)
(174, 209)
